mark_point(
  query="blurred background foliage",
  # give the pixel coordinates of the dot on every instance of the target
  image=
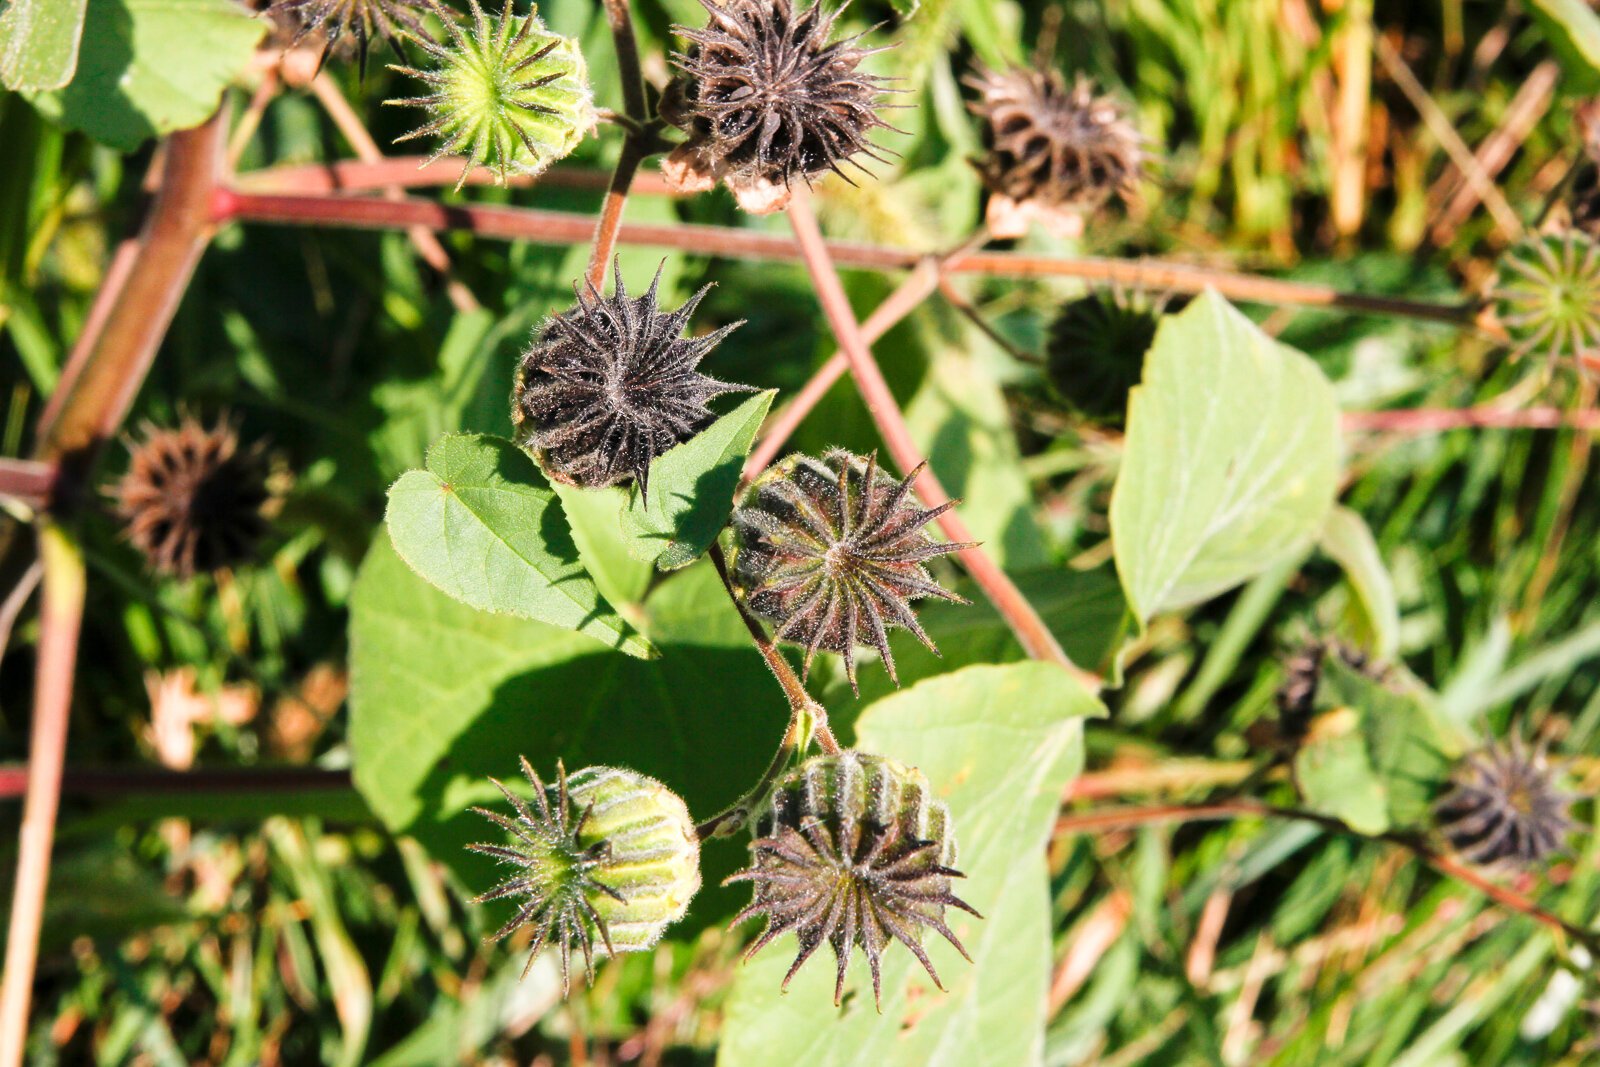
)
(288, 927)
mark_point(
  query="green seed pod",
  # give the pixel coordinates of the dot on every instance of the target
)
(1547, 295)
(1097, 348)
(607, 852)
(512, 96)
(853, 850)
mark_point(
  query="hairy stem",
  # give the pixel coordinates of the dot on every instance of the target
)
(1244, 807)
(1030, 630)
(801, 706)
(60, 620)
(634, 147)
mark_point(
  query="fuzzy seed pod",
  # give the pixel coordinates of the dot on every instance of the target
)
(607, 852)
(192, 501)
(767, 99)
(612, 383)
(1548, 296)
(831, 551)
(1051, 151)
(1097, 348)
(853, 850)
(1504, 808)
(511, 96)
(350, 26)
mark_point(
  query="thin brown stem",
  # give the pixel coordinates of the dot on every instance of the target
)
(1484, 417)
(1244, 807)
(406, 172)
(60, 620)
(28, 482)
(1030, 630)
(634, 145)
(559, 228)
(150, 781)
(958, 300)
(733, 818)
(794, 690)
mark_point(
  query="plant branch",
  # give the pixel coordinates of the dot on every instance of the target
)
(407, 172)
(733, 818)
(60, 620)
(558, 228)
(800, 702)
(29, 482)
(1030, 630)
(1484, 417)
(635, 146)
(1244, 807)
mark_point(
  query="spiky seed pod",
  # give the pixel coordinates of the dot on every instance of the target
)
(612, 383)
(1097, 348)
(510, 95)
(350, 26)
(1503, 807)
(192, 499)
(606, 853)
(768, 99)
(1297, 693)
(853, 850)
(831, 551)
(1050, 149)
(1547, 295)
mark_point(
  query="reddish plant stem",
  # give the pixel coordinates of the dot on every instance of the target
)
(150, 781)
(633, 146)
(110, 363)
(1243, 807)
(27, 481)
(556, 227)
(1035, 637)
(406, 172)
(1439, 420)
(60, 619)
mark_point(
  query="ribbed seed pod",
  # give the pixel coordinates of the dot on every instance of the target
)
(1052, 148)
(350, 26)
(767, 99)
(607, 853)
(832, 552)
(853, 850)
(1548, 295)
(192, 500)
(1503, 808)
(1097, 348)
(511, 96)
(611, 384)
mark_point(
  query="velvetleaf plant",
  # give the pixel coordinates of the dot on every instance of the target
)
(513, 558)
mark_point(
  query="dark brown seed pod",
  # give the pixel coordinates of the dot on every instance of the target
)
(1052, 150)
(767, 99)
(855, 851)
(612, 383)
(832, 552)
(349, 26)
(1097, 348)
(1503, 808)
(192, 500)
(609, 853)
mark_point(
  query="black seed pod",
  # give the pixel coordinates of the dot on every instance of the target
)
(192, 500)
(606, 853)
(767, 99)
(831, 551)
(1052, 148)
(1297, 694)
(611, 384)
(855, 851)
(349, 26)
(1504, 807)
(1097, 348)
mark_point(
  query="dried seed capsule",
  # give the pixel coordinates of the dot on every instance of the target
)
(855, 851)
(767, 99)
(1050, 149)
(607, 852)
(831, 551)
(611, 384)
(1097, 348)
(192, 500)
(347, 26)
(512, 96)
(1547, 295)
(1504, 807)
